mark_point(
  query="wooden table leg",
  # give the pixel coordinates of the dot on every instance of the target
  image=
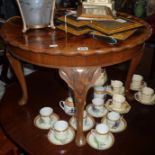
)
(17, 67)
(133, 65)
(80, 79)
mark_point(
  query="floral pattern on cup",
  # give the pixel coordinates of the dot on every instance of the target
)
(100, 133)
(113, 119)
(68, 106)
(60, 130)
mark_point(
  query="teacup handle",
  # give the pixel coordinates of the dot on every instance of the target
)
(93, 132)
(61, 104)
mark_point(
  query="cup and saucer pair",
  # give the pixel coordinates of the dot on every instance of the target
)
(54, 140)
(39, 122)
(137, 96)
(87, 124)
(92, 141)
(118, 127)
(110, 91)
(125, 108)
(95, 112)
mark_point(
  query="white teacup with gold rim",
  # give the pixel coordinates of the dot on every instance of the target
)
(116, 86)
(146, 94)
(98, 104)
(99, 92)
(118, 100)
(68, 106)
(136, 82)
(113, 119)
(60, 130)
(100, 133)
(45, 113)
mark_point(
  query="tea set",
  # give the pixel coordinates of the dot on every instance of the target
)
(144, 94)
(110, 111)
(46, 118)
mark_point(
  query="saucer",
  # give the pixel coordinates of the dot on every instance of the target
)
(54, 140)
(124, 109)
(110, 92)
(91, 140)
(41, 125)
(144, 84)
(121, 126)
(137, 98)
(90, 123)
(93, 113)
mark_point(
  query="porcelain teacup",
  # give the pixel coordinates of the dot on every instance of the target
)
(102, 78)
(60, 130)
(146, 94)
(113, 119)
(100, 133)
(45, 113)
(117, 86)
(118, 100)
(98, 104)
(136, 82)
(99, 92)
(68, 106)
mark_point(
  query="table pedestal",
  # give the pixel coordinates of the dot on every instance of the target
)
(80, 79)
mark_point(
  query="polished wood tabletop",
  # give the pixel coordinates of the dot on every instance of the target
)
(79, 58)
(18, 121)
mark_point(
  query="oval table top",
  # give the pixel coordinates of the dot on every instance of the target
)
(70, 50)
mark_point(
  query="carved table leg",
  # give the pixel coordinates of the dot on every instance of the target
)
(133, 65)
(16, 66)
(80, 79)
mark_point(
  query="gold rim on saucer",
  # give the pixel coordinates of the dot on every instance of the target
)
(92, 113)
(124, 109)
(53, 140)
(72, 122)
(142, 102)
(90, 140)
(121, 127)
(42, 125)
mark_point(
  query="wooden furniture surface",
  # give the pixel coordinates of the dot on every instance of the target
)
(18, 121)
(79, 59)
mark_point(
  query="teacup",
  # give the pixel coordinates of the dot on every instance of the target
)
(98, 104)
(60, 130)
(136, 82)
(146, 94)
(99, 92)
(68, 106)
(102, 78)
(118, 100)
(117, 86)
(113, 119)
(101, 133)
(45, 114)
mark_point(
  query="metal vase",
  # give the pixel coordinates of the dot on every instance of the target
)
(37, 13)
